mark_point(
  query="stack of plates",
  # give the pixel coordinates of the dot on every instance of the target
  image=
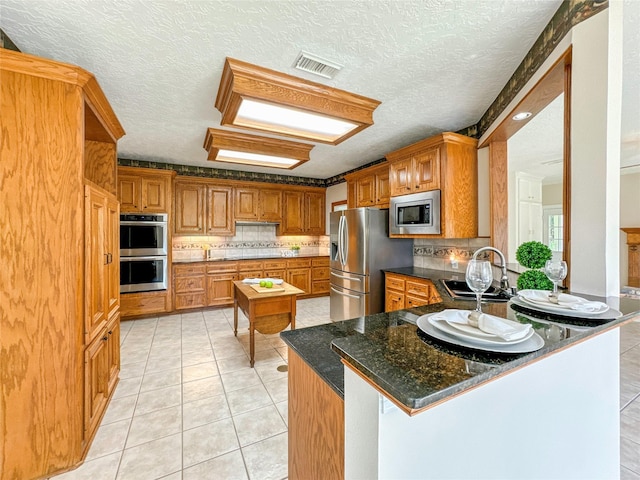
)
(569, 305)
(465, 335)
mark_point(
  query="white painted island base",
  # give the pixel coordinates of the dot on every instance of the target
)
(556, 418)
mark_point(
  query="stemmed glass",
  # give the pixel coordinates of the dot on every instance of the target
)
(479, 277)
(556, 271)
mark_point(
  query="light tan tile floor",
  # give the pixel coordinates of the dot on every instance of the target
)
(188, 406)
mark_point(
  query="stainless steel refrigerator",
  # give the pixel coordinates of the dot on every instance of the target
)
(360, 249)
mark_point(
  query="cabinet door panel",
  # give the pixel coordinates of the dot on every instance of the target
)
(293, 219)
(220, 289)
(219, 208)
(314, 213)
(189, 217)
(383, 192)
(271, 205)
(365, 192)
(154, 195)
(394, 300)
(400, 177)
(300, 278)
(427, 170)
(113, 249)
(96, 262)
(129, 193)
(246, 204)
(95, 382)
(113, 353)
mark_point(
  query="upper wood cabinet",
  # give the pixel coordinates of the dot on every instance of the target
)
(203, 208)
(304, 212)
(448, 162)
(369, 187)
(255, 204)
(417, 171)
(144, 190)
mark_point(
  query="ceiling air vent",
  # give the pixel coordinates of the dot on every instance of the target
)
(314, 64)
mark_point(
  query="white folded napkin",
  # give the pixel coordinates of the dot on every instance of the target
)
(276, 281)
(503, 328)
(565, 300)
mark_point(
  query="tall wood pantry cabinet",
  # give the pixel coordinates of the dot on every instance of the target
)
(59, 281)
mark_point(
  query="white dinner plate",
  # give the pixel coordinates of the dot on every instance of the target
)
(447, 328)
(473, 331)
(608, 314)
(533, 343)
(532, 300)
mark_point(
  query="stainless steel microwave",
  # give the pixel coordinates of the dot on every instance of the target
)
(143, 234)
(415, 214)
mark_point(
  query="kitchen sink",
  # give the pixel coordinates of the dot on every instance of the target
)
(459, 290)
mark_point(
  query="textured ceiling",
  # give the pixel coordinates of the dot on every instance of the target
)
(435, 65)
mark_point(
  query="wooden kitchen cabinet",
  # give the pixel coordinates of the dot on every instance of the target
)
(299, 273)
(447, 162)
(220, 278)
(403, 291)
(143, 190)
(189, 285)
(60, 134)
(369, 187)
(303, 212)
(203, 208)
(253, 204)
(320, 276)
(633, 245)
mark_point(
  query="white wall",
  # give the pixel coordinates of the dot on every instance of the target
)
(595, 152)
(552, 194)
(629, 217)
(335, 193)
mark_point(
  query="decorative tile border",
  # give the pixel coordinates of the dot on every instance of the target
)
(215, 245)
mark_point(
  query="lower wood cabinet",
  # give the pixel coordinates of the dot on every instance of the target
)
(403, 291)
(203, 284)
(102, 365)
(316, 425)
(144, 303)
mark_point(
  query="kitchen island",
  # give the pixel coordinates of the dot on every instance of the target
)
(415, 407)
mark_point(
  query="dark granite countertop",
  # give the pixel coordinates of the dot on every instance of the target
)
(416, 370)
(236, 258)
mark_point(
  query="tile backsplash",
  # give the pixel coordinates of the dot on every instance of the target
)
(443, 253)
(250, 241)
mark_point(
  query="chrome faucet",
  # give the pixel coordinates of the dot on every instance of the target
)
(504, 281)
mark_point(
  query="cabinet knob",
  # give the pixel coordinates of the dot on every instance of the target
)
(104, 338)
(110, 332)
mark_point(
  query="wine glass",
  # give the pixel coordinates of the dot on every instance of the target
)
(479, 277)
(556, 271)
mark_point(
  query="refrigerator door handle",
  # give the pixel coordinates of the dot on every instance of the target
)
(344, 294)
(341, 240)
(346, 278)
(345, 241)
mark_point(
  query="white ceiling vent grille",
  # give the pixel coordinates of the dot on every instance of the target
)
(308, 62)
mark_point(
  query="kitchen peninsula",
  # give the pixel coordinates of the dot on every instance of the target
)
(414, 407)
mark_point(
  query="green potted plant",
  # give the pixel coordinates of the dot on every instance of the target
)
(533, 255)
(295, 249)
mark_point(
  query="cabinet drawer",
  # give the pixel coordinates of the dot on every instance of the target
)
(190, 300)
(320, 273)
(251, 265)
(249, 274)
(276, 273)
(299, 263)
(320, 262)
(394, 282)
(222, 267)
(411, 301)
(320, 286)
(189, 284)
(418, 289)
(182, 270)
(275, 264)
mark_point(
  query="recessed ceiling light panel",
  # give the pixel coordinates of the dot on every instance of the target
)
(236, 147)
(521, 116)
(330, 115)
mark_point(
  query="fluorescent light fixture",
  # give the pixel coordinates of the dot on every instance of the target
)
(521, 116)
(252, 112)
(255, 159)
(257, 98)
(236, 147)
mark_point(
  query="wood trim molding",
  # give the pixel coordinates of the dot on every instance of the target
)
(499, 196)
(445, 137)
(566, 172)
(243, 80)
